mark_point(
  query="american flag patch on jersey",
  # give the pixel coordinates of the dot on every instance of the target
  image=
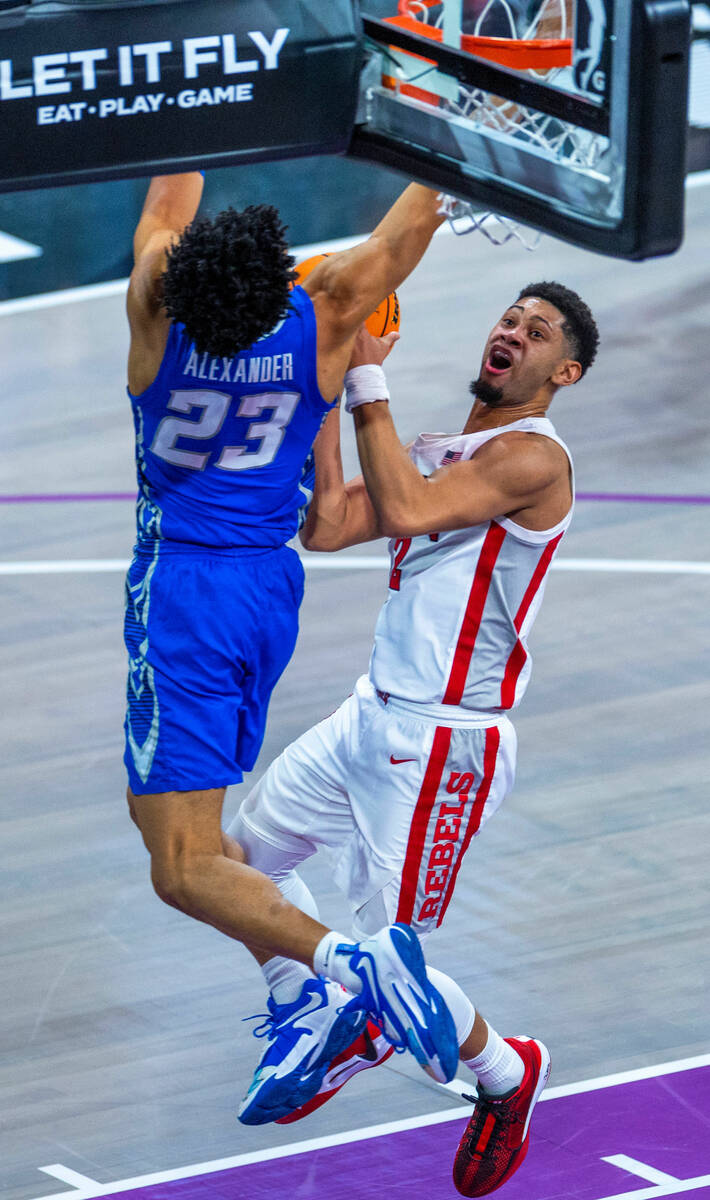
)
(451, 456)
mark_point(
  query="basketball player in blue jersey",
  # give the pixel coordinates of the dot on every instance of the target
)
(231, 372)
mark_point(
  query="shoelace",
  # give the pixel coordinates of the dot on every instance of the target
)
(486, 1107)
(267, 1028)
(270, 1022)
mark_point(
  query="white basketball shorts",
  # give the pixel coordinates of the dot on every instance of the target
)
(393, 793)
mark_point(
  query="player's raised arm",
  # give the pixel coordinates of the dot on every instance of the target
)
(171, 204)
(346, 287)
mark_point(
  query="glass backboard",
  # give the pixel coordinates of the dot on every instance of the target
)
(568, 115)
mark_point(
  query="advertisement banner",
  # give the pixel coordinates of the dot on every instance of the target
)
(91, 92)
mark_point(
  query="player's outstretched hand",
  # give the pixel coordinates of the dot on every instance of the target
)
(369, 349)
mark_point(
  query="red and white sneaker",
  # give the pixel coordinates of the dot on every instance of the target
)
(369, 1049)
(496, 1138)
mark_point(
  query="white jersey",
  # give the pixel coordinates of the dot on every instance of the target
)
(454, 627)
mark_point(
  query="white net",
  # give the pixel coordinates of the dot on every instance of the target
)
(554, 139)
(498, 18)
(499, 230)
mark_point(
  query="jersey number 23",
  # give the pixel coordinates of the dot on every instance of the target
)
(214, 407)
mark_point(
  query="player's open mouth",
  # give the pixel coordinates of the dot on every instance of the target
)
(499, 360)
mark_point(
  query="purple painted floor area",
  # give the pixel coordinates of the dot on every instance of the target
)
(663, 1123)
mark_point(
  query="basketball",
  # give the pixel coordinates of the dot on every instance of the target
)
(385, 318)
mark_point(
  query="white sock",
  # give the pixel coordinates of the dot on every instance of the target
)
(498, 1067)
(285, 978)
(327, 961)
(458, 1003)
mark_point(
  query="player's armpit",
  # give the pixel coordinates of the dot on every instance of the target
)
(149, 324)
(144, 290)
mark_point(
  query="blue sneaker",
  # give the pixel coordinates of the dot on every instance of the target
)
(304, 1038)
(411, 1013)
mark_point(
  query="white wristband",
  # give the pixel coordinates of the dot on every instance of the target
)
(365, 385)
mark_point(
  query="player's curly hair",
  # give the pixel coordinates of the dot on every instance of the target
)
(228, 279)
(579, 327)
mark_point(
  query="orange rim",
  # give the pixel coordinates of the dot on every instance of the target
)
(539, 54)
(533, 54)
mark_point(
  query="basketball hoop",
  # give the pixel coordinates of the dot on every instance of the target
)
(543, 51)
(498, 230)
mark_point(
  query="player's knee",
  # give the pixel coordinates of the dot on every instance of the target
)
(172, 866)
(170, 878)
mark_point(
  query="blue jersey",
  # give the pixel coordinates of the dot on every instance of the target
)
(221, 443)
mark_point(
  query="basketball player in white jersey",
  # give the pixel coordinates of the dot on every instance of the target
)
(399, 780)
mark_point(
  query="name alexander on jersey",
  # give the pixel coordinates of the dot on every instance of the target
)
(265, 368)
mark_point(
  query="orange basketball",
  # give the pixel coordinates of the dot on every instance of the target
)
(385, 318)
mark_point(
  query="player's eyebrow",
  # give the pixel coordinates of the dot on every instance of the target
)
(535, 316)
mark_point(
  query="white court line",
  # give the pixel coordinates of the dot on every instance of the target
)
(92, 291)
(641, 565)
(363, 562)
(70, 566)
(634, 1167)
(115, 287)
(96, 291)
(668, 1189)
(605, 1081)
(381, 1130)
(67, 1175)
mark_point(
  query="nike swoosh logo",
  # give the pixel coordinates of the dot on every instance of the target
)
(370, 1054)
(395, 761)
(315, 1003)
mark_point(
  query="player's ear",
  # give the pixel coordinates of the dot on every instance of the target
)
(568, 372)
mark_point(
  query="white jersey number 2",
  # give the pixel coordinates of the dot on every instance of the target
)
(214, 406)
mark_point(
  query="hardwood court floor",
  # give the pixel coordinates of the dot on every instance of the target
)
(582, 913)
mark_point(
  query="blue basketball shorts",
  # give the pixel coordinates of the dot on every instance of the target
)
(208, 635)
